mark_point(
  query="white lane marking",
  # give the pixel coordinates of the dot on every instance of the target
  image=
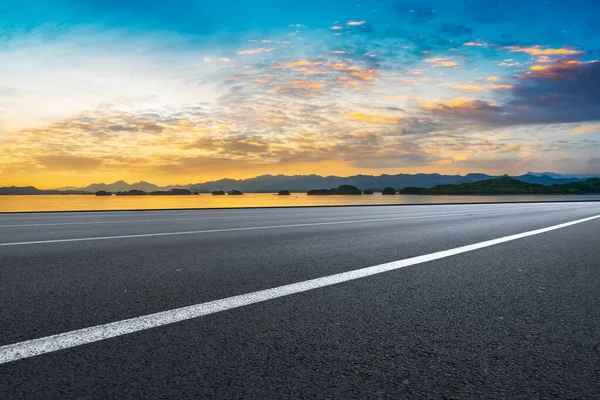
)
(250, 228)
(61, 341)
(135, 220)
(303, 215)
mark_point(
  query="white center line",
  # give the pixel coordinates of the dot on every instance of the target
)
(48, 344)
(259, 211)
(249, 228)
(303, 215)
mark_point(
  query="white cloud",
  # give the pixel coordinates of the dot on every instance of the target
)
(46, 77)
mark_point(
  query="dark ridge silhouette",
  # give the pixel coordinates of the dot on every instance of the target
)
(341, 190)
(284, 193)
(411, 190)
(234, 193)
(218, 193)
(388, 191)
(507, 185)
(30, 190)
(103, 193)
(303, 183)
(368, 191)
(132, 193)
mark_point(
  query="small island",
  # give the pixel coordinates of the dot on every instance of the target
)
(172, 192)
(103, 193)
(411, 190)
(368, 191)
(234, 193)
(284, 193)
(340, 190)
(218, 193)
(132, 192)
(388, 191)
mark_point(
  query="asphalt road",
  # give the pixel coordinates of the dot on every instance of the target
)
(516, 318)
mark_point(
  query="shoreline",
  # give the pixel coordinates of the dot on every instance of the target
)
(306, 206)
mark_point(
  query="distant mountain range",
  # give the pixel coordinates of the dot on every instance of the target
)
(14, 190)
(303, 183)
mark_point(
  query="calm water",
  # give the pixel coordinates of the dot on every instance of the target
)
(87, 202)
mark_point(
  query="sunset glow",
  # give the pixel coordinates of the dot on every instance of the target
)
(190, 91)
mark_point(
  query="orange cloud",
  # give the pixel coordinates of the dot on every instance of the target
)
(537, 50)
(441, 62)
(461, 105)
(586, 129)
(509, 148)
(306, 84)
(555, 69)
(461, 86)
(367, 75)
(374, 118)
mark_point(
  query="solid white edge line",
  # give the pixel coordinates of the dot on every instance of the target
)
(48, 344)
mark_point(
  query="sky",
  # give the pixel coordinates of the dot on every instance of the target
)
(186, 91)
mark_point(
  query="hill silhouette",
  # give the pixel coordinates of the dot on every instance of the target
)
(506, 185)
(132, 192)
(340, 190)
(30, 190)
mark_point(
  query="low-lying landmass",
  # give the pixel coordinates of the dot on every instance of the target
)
(172, 192)
(235, 193)
(507, 186)
(132, 192)
(284, 193)
(218, 193)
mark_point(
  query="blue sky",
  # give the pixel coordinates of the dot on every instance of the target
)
(186, 91)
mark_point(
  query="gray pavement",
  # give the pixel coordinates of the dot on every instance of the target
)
(515, 320)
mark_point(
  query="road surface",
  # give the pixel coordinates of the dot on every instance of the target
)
(455, 301)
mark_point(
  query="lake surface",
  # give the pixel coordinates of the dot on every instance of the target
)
(91, 202)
